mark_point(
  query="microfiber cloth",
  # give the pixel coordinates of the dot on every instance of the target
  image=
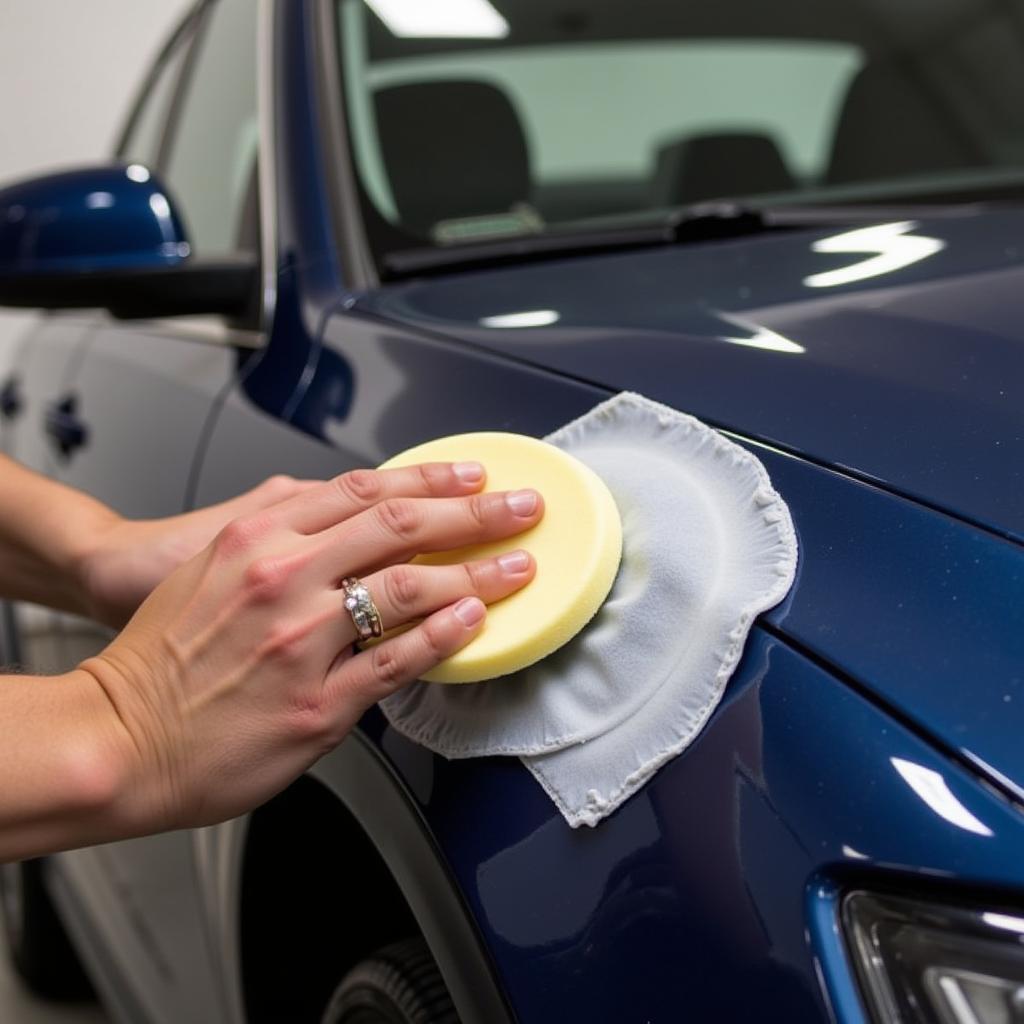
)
(707, 546)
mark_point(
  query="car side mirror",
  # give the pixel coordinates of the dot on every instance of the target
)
(109, 237)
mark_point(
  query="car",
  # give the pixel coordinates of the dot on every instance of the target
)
(334, 229)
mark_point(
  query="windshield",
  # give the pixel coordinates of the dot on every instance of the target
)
(476, 120)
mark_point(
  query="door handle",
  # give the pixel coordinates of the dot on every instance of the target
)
(11, 401)
(63, 425)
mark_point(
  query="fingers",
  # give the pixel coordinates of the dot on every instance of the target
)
(336, 500)
(272, 491)
(400, 528)
(405, 592)
(376, 673)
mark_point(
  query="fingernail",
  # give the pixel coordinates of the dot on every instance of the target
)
(468, 472)
(522, 503)
(514, 561)
(469, 611)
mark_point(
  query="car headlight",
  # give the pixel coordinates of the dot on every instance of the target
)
(927, 963)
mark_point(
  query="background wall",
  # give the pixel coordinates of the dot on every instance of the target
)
(68, 72)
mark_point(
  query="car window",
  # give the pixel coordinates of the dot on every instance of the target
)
(787, 89)
(144, 135)
(523, 117)
(209, 170)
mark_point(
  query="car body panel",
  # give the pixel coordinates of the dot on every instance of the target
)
(911, 377)
(140, 921)
(927, 602)
(40, 375)
(41, 371)
(182, 372)
(691, 898)
(927, 617)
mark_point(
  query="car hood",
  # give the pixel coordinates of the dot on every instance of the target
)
(893, 352)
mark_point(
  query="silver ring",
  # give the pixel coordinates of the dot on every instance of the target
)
(360, 606)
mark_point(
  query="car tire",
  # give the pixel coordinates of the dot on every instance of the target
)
(399, 984)
(39, 948)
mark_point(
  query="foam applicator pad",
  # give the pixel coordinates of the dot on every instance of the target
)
(707, 546)
(577, 546)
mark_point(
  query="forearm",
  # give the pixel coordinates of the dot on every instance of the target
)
(46, 530)
(63, 766)
(239, 670)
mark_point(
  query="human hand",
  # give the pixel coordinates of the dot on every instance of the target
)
(124, 559)
(238, 672)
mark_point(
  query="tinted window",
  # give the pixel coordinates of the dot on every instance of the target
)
(210, 168)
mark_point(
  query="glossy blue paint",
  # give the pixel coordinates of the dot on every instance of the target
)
(913, 377)
(305, 237)
(910, 604)
(99, 218)
(916, 609)
(308, 279)
(823, 903)
(692, 900)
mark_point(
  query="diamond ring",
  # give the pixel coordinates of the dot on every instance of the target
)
(360, 606)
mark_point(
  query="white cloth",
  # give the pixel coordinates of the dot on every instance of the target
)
(707, 546)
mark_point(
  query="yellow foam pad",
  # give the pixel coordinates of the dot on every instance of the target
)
(577, 546)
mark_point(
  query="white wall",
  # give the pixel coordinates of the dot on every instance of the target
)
(68, 72)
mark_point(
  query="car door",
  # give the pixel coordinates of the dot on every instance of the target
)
(140, 400)
(30, 398)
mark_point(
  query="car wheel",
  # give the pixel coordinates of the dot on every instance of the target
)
(37, 943)
(399, 984)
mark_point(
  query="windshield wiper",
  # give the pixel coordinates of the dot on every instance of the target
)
(690, 224)
(700, 222)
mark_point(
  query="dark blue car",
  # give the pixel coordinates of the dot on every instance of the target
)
(334, 229)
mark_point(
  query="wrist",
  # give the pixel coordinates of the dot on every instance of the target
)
(75, 546)
(86, 558)
(99, 769)
(136, 789)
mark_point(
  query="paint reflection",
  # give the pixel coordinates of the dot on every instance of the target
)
(891, 247)
(932, 788)
(758, 336)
